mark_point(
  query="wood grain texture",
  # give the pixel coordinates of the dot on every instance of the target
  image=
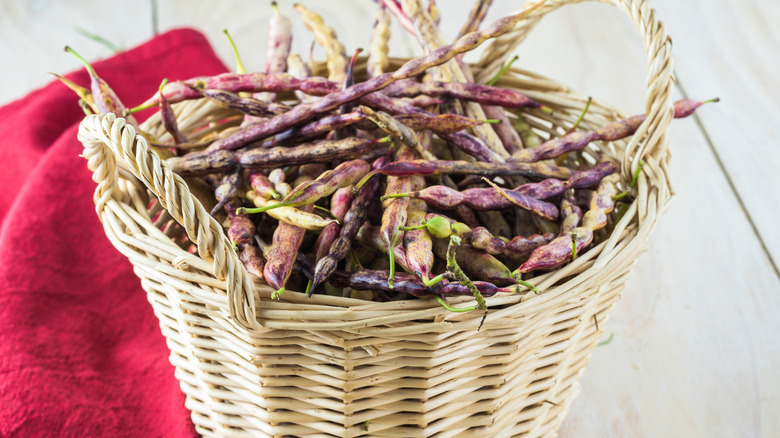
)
(729, 50)
(695, 349)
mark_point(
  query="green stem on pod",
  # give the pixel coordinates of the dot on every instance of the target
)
(239, 65)
(503, 70)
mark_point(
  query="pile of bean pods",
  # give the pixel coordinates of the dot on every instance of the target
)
(386, 184)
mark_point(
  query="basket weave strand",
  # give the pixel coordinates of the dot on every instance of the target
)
(336, 366)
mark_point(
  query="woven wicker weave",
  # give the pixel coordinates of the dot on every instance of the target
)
(331, 366)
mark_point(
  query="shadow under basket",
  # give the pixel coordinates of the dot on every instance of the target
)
(333, 366)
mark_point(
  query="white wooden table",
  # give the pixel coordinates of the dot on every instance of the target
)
(696, 337)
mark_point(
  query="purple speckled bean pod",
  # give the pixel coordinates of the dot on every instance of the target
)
(347, 107)
(504, 129)
(251, 106)
(467, 216)
(242, 82)
(343, 175)
(406, 283)
(542, 209)
(585, 179)
(300, 113)
(440, 124)
(558, 252)
(470, 92)
(252, 258)
(476, 16)
(417, 243)
(421, 101)
(339, 204)
(608, 132)
(445, 167)
(570, 214)
(241, 229)
(445, 198)
(468, 143)
(261, 184)
(206, 162)
(104, 97)
(227, 190)
(353, 220)
(322, 127)
(168, 119)
(279, 42)
(482, 239)
(395, 8)
(521, 246)
(395, 209)
(287, 240)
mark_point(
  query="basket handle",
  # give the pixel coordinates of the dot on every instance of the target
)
(660, 80)
(108, 140)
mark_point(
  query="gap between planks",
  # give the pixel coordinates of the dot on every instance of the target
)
(726, 174)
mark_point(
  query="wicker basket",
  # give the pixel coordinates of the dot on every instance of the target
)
(331, 366)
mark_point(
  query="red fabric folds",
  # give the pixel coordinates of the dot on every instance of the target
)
(81, 353)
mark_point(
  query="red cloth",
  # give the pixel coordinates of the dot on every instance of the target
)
(81, 353)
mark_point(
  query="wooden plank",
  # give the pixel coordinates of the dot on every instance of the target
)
(695, 347)
(33, 35)
(729, 49)
(693, 350)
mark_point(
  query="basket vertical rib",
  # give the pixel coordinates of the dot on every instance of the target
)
(332, 366)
